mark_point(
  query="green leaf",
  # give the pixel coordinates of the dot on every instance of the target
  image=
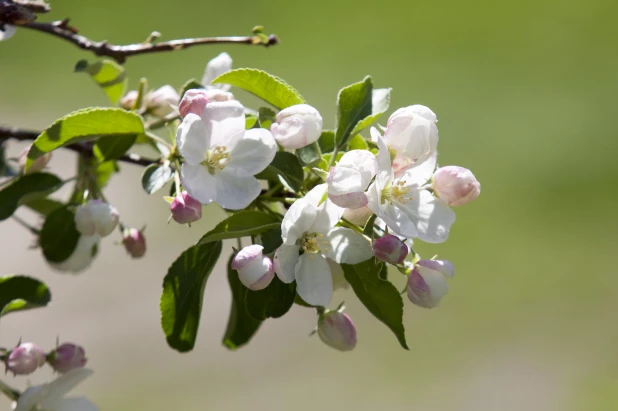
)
(250, 121)
(310, 155)
(84, 125)
(104, 171)
(269, 88)
(357, 143)
(183, 292)
(368, 230)
(379, 296)
(108, 74)
(155, 177)
(59, 235)
(111, 147)
(353, 105)
(240, 326)
(266, 116)
(190, 85)
(24, 189)
(270, 240)
(271, 302)
(18, 292)
(287, 166)
(380, 100)
(327, 141)
(241, 224)
(43, 206)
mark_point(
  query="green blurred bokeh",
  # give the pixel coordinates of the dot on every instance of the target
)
(526, 94)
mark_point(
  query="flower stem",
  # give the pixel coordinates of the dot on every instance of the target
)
(9, 392)
(26, 225)
(346, 223)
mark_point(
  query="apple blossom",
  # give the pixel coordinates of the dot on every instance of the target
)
(128, 100)
(221, 158)
(215, 67)
(37, 166)
(25, 359)
(427, 282)
(348, 180)
(185, 209)
(309, 226)
(82, 256)
(337, 330)
(455, 185)
(96, 217)
(390, 249)
(255, 270)
(134, 242)
(297, 126)
(67, 357)
(162, 101)
(195, 100)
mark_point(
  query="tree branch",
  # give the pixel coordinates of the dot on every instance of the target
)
(13, 133)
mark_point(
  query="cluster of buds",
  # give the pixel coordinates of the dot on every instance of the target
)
(26, 358)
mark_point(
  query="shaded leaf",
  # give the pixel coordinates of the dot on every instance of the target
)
(108, 74)
(155, 177)
(271, 302)
(59, 235)
(380, 100)
(24, 189)
(241, 224)
(18, 292)
(327, 141)
(310, 155)
(357, 143)
(104, 171)
(287, 166)
(270, 240)
(43, 206)
(111, 147)
(266, 116)
(353, 105)
(190, 85)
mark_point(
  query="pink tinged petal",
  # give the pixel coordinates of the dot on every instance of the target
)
(443, 266)
(351, 200)
(215, 67)
(456, 185)
(314, 283)
(344, 180)
(236, 189)
(254, 151)
(246, 256)
(346, 246)
(199, 183)
(225, 123)
(255, 271)
(411, 133)
(432, 216)
(420, 173)
(298, 219)
(297, 126)
(286, 258)
(426, 287)
(337, 330)
(192, 139)
(364, 162)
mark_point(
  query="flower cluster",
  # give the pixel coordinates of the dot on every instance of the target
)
(27, 357)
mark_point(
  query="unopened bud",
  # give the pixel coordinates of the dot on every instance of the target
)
(297, 126)
(161, 102)
(412, 133)
(337, 330)
(67, 357)
(38, 165)
(96, 217)
(427, 282)
(456, 185)
(129, 100)
(25, 359)
(255, 270)
(194, 101)
(134, 242)
(185, 209)
(82, 256)
(390, 249)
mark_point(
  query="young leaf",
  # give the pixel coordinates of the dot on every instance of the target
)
(241, 224)
(269, 88)
(24, 189)
(83, 125)
(183, 292)
(357, 143)
(59, 235)
(240, 326)
(266, 117)
(190, 85)
(43, 206)
(271, 302)
(327, 141)
(286, 166)
(111, 147)
(380, 100)
(18, 292)
(108, 74)
(105, 171)
(270, 240)
(310, 155)
(155, 176)
(353, 105)
(379, 296)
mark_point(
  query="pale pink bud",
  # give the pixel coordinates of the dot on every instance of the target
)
(194, 101)
(357, 216)
(134, 242)
(297, 126)
(412, 133)
(128, 101)
(455, 185)
(337, 330)
(67, 357)
(185, 209)
(25, 359)
(427, 282)
(161, 102)
(255, 270)
(390, 249)
(217, 94)
(37, 166)
(96, 217)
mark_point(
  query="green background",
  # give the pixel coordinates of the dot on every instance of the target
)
(526, 94)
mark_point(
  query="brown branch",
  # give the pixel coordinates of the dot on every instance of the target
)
(13, 133)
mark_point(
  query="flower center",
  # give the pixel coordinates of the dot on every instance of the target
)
(396, 192)
(216, 159)
(313, 243)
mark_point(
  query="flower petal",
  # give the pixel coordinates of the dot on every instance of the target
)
(346, 246)
(236, 189)
(215, 67)
(254, 151)
(192, 139)
(362, 160)
(351, 201)
(328, 213)
(339, 281)
(314, 283)
(199, 183)
(396, 220)
(432, 216)
(286, 258)
(344, 180)
(61, 386)
(299, 218)
(225, 123)
(420, 173)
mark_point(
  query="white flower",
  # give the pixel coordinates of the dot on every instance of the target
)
(50, 396)
(310, 228)
(407, 208)
(427, 282)
(7, 32)
(255, 270)
(221, 158)
(82, 257)
(215, 67)
(297, 126)
(162, 101)
(348, 180)
(96, 217)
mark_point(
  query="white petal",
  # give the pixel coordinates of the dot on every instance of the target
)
(225, 123)
(192, 139)
(350, 201)
(362, 160)
(420, 173)
(358, 216)
(286, 258)
(436, 282)
(82, 257)
(339, 281)
(7, 33)
(215, 67)
(314, 283)
(199, 183)
(254, 152)
(345, 180)
(30, 398)
(433, 217)
(384, 156)
(252, 275)
(328, 213)
(61, 386)
(74, 404)
(316, 194)
(346, 246)
(300, 216)
(236, 189)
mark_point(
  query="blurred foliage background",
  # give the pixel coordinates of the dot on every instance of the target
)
(525, 93)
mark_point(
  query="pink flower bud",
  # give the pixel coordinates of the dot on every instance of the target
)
(427, 282)
(161, 101)
(134, 242)
(297, 126)
(390, 249)
(456, 185)
(37, 166)
(337, 330)
(96, 217)
(25, 359)
(128, 101)
(194, 101)
(67, 357)
(185, 209)
(255, 271)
